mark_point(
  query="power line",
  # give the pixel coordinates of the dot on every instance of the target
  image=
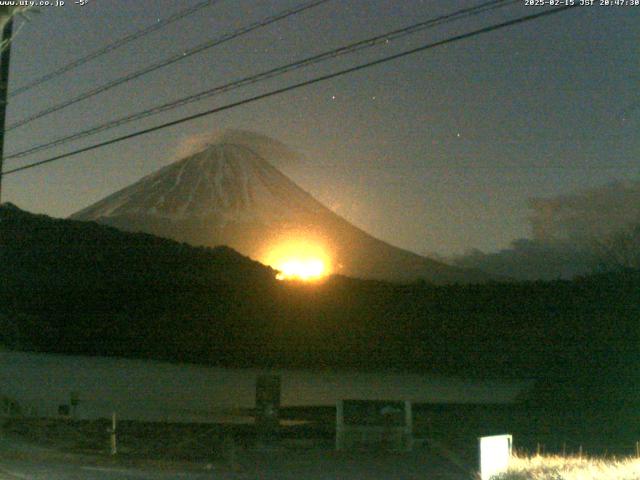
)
(168, 61)
(113, 46)
(295, 86)
(278, 71)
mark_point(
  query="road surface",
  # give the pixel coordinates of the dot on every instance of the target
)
(308, 465)
(27, 470)
(21, 461)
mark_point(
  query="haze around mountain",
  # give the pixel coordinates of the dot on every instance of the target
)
(226, 191)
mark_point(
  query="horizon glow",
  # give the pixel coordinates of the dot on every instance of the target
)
(299, 257)
(305, 270)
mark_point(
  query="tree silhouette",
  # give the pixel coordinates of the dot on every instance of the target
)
(619, 251)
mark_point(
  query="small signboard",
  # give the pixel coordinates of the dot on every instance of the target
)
(495, 453)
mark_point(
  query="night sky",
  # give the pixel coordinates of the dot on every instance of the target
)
(436, 152)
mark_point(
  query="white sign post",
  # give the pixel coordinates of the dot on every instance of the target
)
(495, 453)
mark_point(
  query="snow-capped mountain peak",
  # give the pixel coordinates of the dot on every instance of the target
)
(226, 191)
(225, 180)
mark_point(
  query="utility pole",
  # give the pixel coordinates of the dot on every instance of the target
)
(7, 31)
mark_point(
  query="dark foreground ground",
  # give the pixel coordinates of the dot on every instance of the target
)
(35, 449)
(39, 449)
(281, 463)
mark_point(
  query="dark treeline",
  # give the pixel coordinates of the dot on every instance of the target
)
(81, 288)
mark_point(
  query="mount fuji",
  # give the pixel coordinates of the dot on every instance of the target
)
(229, 193)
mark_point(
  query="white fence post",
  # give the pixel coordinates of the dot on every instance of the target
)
(114, 444)
(408, 413)
(339, 425)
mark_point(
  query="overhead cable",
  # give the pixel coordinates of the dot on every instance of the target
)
(112, 46)
(295, 86)
(168, 61)
(271, 73)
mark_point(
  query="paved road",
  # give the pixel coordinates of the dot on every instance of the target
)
(26, 470)
(20, 461)
(310, 465)
(23, 461)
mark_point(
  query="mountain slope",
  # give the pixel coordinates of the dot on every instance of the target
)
(230, 194)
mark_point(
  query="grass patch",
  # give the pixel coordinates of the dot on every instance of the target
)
(556, 467)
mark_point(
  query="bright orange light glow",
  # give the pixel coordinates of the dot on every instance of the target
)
(300, 270)
(299, 259)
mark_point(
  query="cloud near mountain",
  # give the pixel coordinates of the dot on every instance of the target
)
(575, 234)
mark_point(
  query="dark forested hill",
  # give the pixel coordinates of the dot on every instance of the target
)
(39, 250)
(78, 287)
